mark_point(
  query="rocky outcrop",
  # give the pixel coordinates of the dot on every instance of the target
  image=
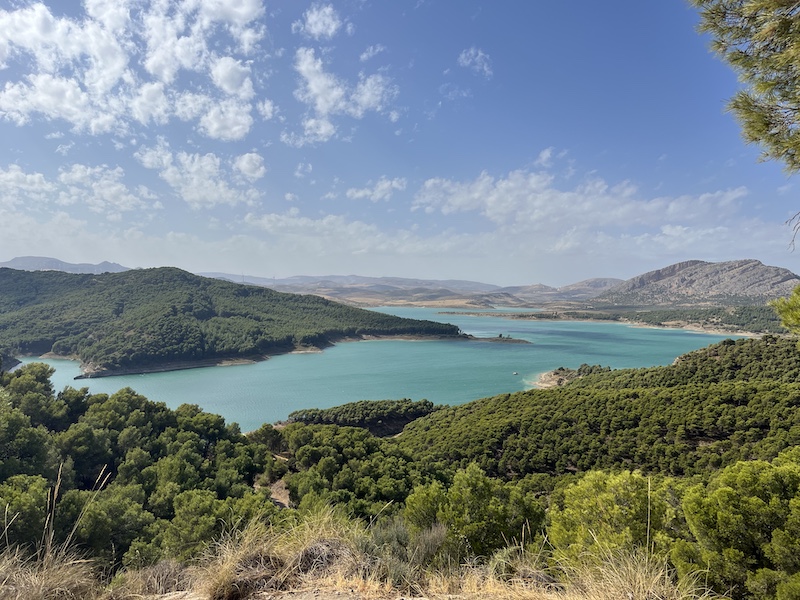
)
(700, 283)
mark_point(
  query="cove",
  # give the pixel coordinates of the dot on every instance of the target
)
(444, 372)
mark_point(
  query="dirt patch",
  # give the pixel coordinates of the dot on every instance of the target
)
(280, 493)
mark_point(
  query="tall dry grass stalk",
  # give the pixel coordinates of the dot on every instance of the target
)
(59, 575)
(633, 574)
(53, 570)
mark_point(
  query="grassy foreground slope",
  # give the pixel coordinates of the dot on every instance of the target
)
(139, 318)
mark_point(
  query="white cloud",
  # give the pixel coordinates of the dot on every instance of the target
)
(190, 106)
(63, 149)
(475, 59)
(371, 52)
(525, 200)
(17, 187)
(323, 91)
(327, 95)
(113, 14)
(199, 179)
(228, 120)
(321, 21)
(118, 64)
(382, 190)
(545, 158)
(177, 35)
(99, 188)
(302, 170)
(251, 165)
(266, 109)
(372, 93)
(55, 97)
(231, 76)
(151, 104)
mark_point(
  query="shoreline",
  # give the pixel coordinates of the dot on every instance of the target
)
(89, 371)
(682, 325)
(548, 380)
(544, 380)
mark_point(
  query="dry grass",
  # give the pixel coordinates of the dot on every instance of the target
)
(635, 574)
(58, 575)
(164, 577)
(327, 551)
(54, 571)
(322, 549)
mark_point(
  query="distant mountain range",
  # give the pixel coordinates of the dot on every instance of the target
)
(43, 263)
(373, 291)
(693, 283)
(685, 284)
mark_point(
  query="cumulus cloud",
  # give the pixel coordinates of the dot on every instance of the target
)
(227, 120)
(266, 108)
(98, 188)
(476, 60)
(531, 201)
(321, 21)
(201, 180)
(251, 165)
(18, 187)
(382, 190)
(231, 76)
(118, 64)
(151, 103)
(328, 95)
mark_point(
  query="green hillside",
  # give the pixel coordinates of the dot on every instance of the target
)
(696, 464)
(141, 318)
(736, 400)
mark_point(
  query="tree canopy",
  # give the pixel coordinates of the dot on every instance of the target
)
(760, 39)
(145, 317)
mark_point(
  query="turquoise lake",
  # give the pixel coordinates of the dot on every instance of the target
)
(444, 372)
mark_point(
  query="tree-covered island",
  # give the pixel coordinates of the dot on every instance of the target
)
(165, 318)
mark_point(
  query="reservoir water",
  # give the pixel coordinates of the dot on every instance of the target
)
(444, 372)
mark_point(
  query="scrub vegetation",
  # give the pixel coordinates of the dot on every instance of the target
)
(686, 477)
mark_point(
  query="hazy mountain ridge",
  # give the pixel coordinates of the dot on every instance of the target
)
(44, 263)
(693, 283)
(373, 291)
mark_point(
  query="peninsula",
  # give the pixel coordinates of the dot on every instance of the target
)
(165, 319)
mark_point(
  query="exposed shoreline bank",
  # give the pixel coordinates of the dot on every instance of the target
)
(545, 380)
(682, 325)
(89, 371)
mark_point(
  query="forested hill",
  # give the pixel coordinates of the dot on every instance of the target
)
(141, 319)
(736, 400)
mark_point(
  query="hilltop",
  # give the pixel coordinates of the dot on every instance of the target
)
(697, 283)
(165, 318)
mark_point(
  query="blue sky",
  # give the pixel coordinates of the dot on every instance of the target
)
(510, 142)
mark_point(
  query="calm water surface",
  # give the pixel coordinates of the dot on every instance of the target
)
(444, 372)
